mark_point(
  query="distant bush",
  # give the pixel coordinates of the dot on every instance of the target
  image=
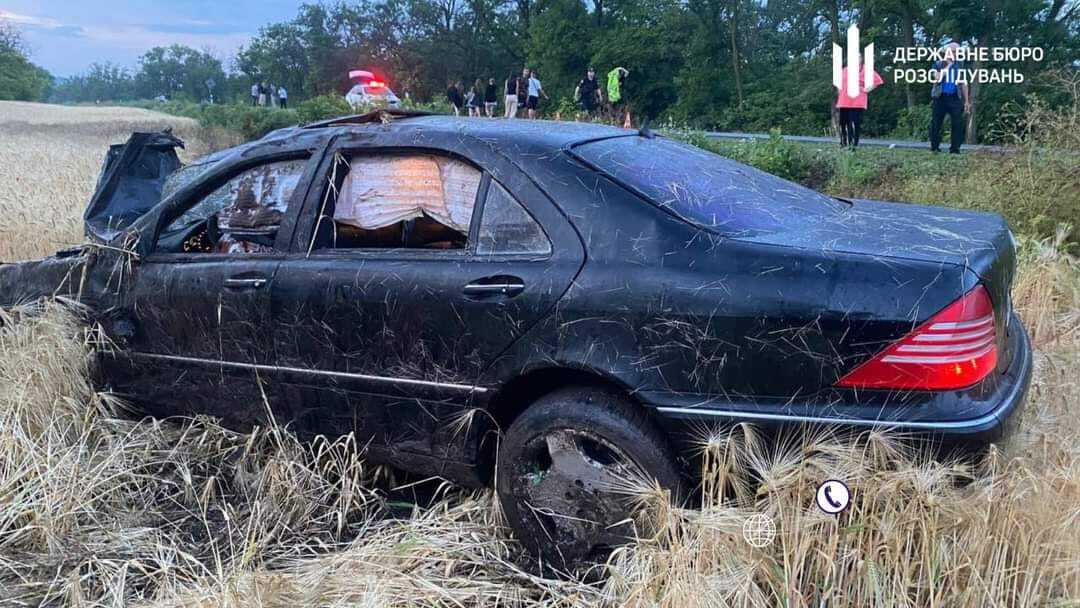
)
(786, 159)
(324, 107)
(913, 123)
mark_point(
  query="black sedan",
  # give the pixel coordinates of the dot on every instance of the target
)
(586, 295)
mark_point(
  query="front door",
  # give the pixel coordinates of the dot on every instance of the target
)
(421, 269)
(194, 324)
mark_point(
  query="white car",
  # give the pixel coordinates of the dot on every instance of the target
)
(370, 91)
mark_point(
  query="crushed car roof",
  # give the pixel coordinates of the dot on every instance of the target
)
(556, 134)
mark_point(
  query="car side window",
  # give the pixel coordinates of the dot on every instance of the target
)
(506, 227)
(415, 201)
(241, 216)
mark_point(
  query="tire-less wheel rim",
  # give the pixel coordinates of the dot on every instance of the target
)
(573, 493)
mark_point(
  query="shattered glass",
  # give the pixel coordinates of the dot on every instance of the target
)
(252, 202)
(507, 228)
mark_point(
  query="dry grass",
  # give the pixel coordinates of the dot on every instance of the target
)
(97, 510)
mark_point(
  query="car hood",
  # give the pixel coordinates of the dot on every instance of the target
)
(974, 239)
(131, 182)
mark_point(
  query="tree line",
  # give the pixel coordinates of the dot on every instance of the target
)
(746, 65)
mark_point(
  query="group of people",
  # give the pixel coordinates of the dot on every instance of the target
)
(948, 97)
(268, 96)
(523, 92)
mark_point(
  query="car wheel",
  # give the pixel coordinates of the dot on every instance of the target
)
(568, 468)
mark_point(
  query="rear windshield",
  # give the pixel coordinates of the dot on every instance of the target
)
(705, 188)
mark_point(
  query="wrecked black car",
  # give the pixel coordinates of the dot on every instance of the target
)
(592, 296)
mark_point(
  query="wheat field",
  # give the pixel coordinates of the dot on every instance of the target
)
(98, 508)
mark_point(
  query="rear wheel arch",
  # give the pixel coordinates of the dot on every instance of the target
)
(517, 394)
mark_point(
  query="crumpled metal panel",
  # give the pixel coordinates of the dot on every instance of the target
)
(131, 182)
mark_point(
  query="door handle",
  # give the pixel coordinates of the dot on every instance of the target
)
(245, 283)
(507, 287)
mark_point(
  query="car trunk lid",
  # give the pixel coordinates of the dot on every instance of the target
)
(975, 241)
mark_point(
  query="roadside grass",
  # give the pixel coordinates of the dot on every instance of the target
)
(99, 509)
(1036, 187)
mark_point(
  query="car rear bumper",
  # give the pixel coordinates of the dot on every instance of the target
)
(969, 433)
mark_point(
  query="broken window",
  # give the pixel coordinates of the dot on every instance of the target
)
(413, 201)
(507, 228)
(241, 216)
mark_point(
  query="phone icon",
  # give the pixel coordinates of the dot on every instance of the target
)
(832, 501)
(833, 496)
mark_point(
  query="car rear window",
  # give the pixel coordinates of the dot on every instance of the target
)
(705, 188)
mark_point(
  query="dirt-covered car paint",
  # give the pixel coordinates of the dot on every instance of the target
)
(423, 353)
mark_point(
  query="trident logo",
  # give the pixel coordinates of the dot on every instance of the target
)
(853, 62)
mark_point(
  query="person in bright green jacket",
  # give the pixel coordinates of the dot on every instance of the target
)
(619, 107)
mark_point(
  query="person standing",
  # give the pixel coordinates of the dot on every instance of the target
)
(616, 87)
(283, 97)
(523, 88)
(536, 90)
(511, 100)
(475, 98)
(948, 96)
(588, 93)
(255, 93)
(454, 97)
(850, 109)
(490, 99)
(262, 94)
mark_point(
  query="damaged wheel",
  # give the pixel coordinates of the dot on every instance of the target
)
(572, 468)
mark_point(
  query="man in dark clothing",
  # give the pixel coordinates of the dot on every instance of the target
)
(455, 97)
(490, 100)
(523, 87)
(948, 97)
(588, 93)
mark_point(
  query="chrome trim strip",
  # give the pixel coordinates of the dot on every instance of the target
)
(930, 360)
(789, 418)
(971, 335)
(298, 370)
(944, 348)
(962, 324)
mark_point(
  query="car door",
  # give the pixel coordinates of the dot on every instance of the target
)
(194, 322)
(418, 268)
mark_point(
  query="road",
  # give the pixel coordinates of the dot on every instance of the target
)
(885, 143)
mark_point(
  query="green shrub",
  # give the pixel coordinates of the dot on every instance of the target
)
(324, 107)
(913, 123)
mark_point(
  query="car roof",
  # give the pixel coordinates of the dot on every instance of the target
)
(543, 133)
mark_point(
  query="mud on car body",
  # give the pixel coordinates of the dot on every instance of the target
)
(595, 294)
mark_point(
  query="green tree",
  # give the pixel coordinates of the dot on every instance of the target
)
(20, 80)
(560, 45)
(178, 71)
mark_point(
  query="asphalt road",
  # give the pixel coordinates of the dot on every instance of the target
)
(885, 143)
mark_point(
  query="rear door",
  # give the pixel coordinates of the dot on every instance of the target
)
(194, 322)
(417, 269)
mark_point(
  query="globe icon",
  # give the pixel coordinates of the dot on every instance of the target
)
(759, 530)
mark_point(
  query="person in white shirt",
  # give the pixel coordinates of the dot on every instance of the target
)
(283, 97)
(536, 90)
(255, 94)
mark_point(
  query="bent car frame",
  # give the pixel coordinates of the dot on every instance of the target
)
(594, 294)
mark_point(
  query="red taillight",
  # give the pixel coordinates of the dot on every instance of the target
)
(375, 84)
(956, 348)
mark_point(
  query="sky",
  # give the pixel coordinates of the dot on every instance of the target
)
(66, 36)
